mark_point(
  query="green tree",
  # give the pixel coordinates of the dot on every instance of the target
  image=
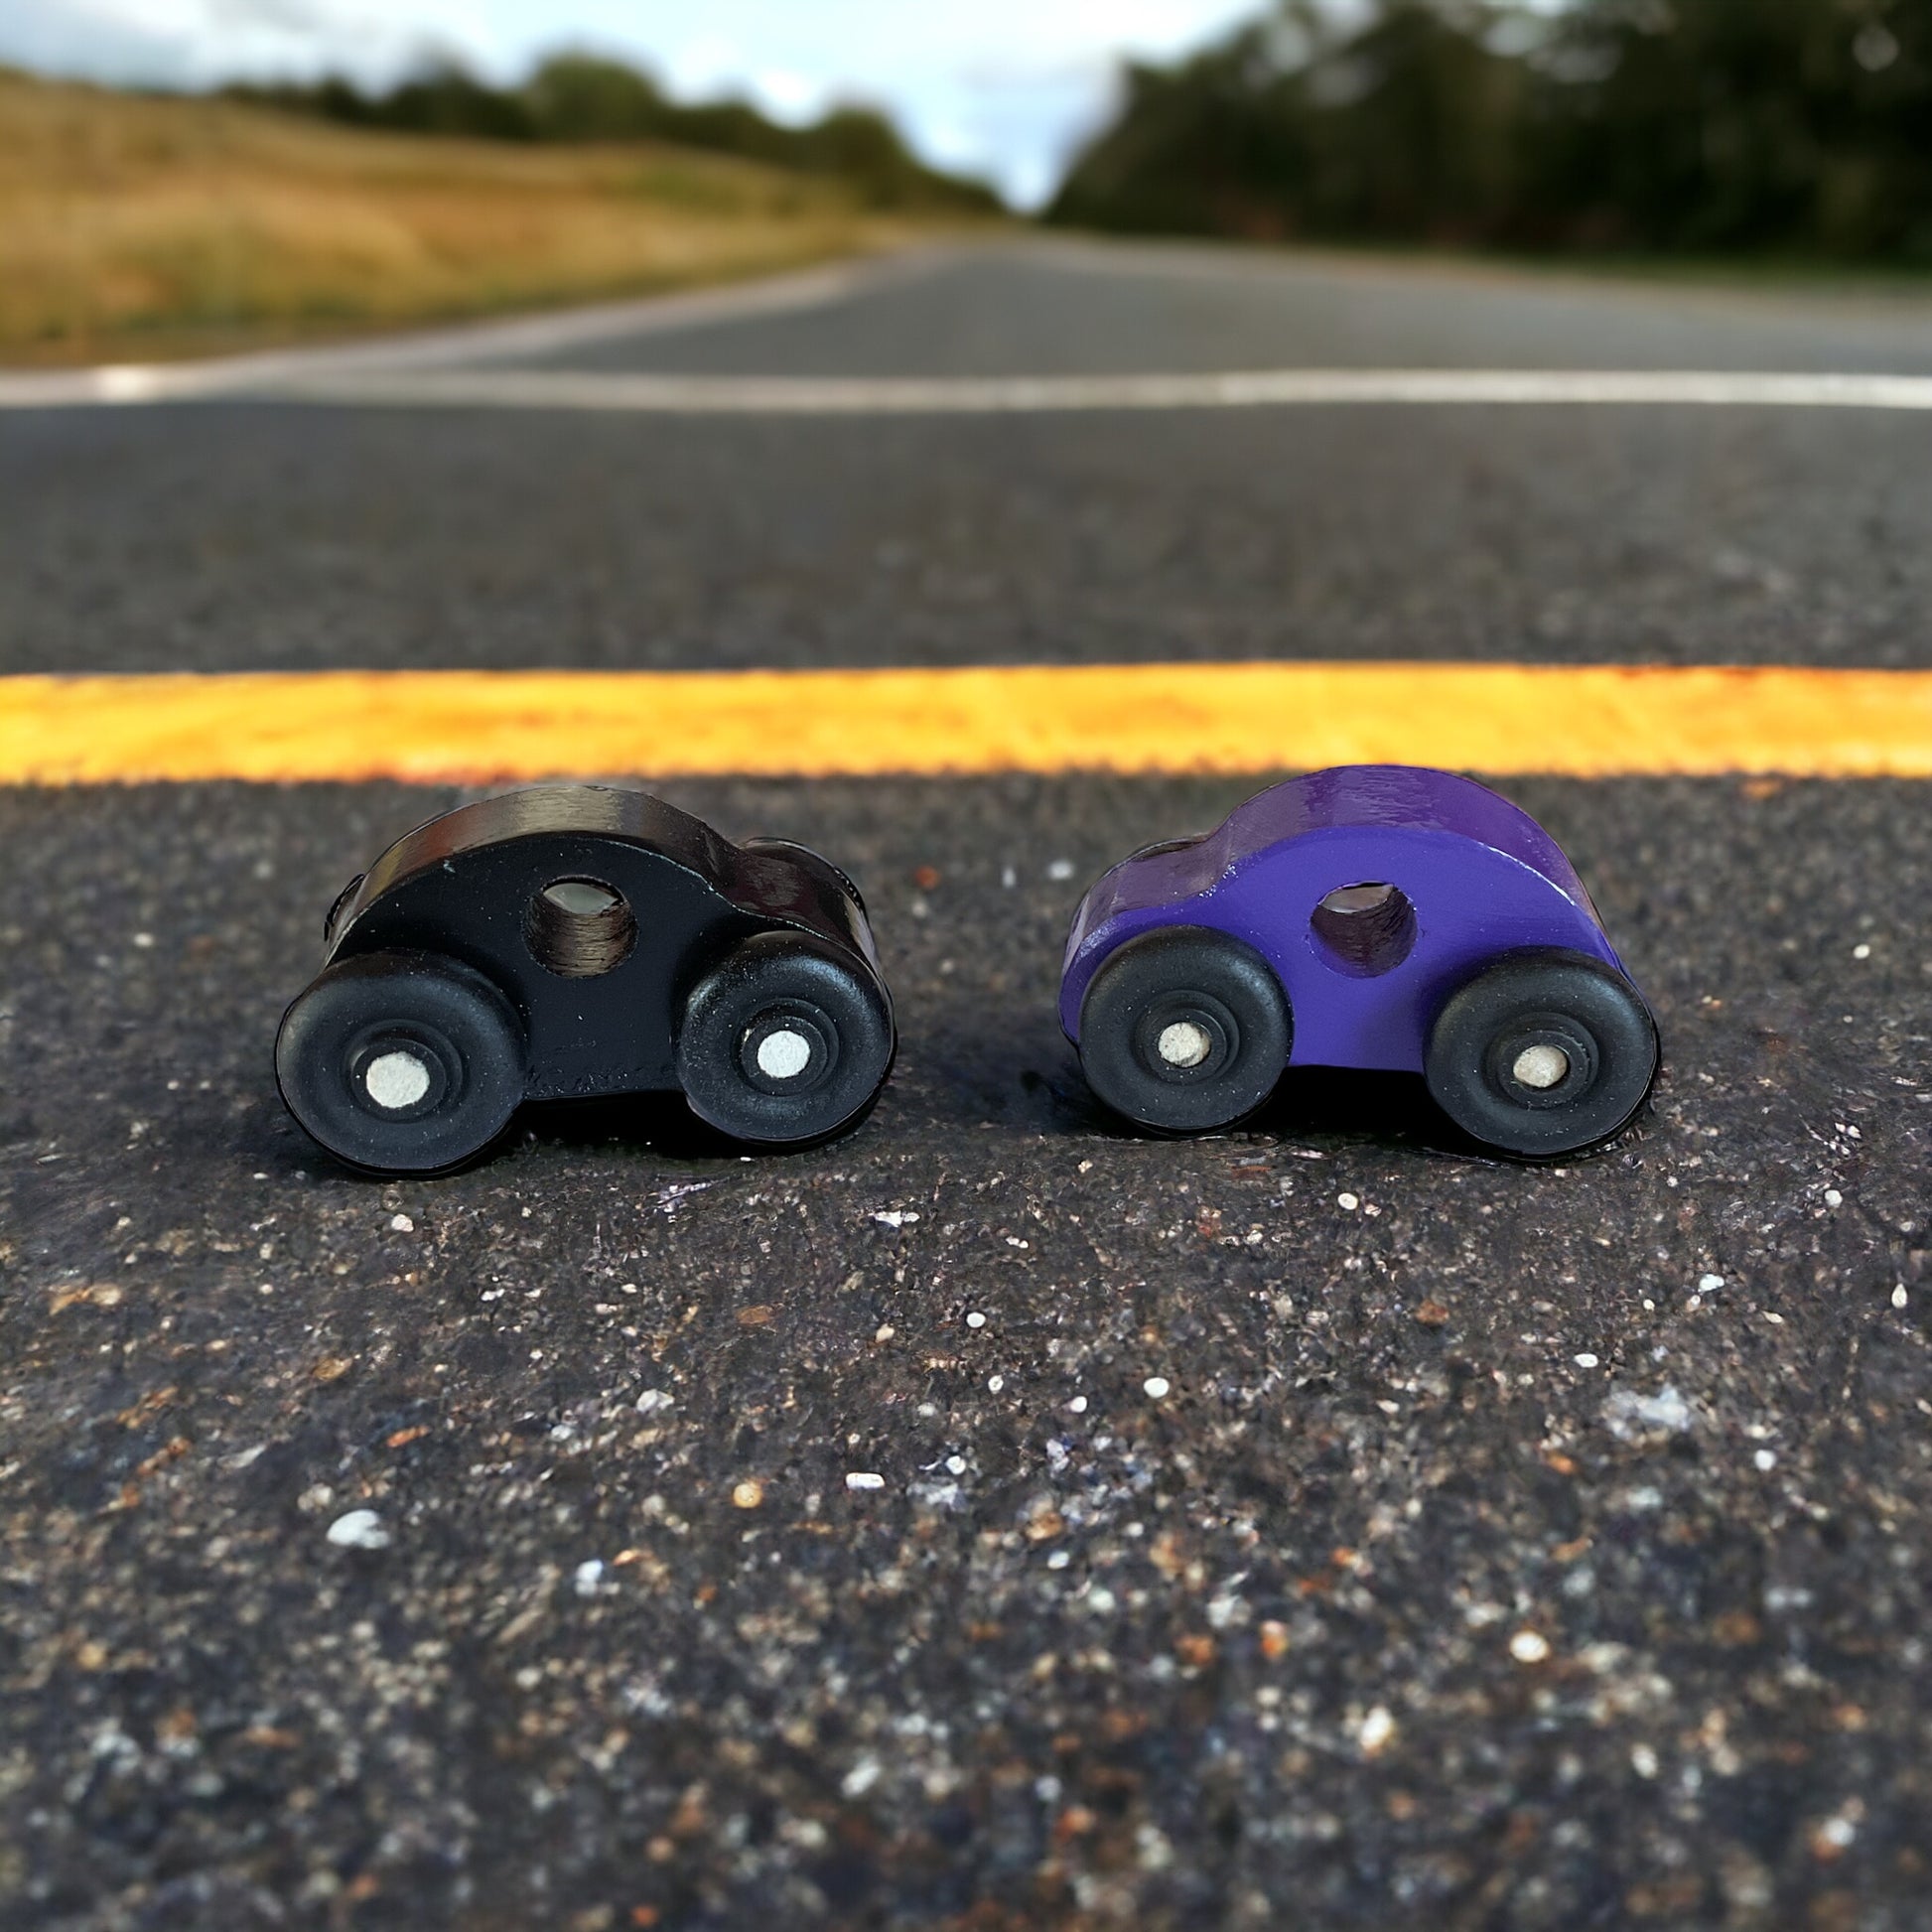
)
(573, 96)
(1800, 126)
(581, 97)
(1737, 124)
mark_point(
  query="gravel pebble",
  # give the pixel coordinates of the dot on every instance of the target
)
(358, 1529)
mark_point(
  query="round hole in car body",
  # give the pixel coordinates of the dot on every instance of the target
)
(1365, 929)
(579, 928)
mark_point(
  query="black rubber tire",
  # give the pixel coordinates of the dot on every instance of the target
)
(1567, 1000)
(1184, 974)
(784, 982)
(459, 1027)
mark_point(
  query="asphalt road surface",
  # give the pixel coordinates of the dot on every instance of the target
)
(1314, 1525)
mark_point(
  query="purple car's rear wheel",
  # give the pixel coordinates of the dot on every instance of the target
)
(1184, 1029)
(1543, 1053)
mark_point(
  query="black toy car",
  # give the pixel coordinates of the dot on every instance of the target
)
(581, 941)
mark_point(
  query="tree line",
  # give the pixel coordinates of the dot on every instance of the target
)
(584, 97)
(1774, 127)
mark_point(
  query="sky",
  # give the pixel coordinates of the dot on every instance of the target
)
(1005, 88)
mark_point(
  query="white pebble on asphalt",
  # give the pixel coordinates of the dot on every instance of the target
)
(402, 1224)
(1378, 1729)
(864, 1479)
(1529, 1647)
(653, 1402)
(976, 1320)
(1631, 1413)
(1348, 1202)
(359, 1529)
(1060, 869)
(1156, 1386)
(1710, 1283)
(587, 1577)
(1899, 1295)
(1585, 1359)
(1766, 1460)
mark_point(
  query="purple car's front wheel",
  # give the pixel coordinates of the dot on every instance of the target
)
(1184, 1029)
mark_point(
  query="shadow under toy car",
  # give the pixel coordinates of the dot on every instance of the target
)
(1371, 917)
(580, 941)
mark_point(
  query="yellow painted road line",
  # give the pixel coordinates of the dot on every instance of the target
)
(497, 727)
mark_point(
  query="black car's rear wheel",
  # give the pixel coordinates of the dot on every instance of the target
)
(401, 1062)
(1543, 1053)
(784, 1042)
(1184, 1029)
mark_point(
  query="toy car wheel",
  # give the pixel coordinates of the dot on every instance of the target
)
(401, 1062)
(1184, 1029)
(783, 1042)
(1543, 1053)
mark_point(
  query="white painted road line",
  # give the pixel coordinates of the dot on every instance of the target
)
(390, 386)
(697, 395)
(457, 345)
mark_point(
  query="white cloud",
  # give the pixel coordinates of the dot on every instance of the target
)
(1003, 87)
(190, 43)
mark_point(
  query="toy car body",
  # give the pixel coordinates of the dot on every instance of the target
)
(1371, 917)
(579, 941)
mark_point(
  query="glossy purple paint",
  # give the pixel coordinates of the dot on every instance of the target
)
(1482, 876)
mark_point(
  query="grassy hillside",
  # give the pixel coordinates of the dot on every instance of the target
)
(133, 226)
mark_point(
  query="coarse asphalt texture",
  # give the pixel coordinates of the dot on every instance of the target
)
(992, 1519)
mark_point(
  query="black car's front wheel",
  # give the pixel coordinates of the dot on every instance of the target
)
(1543, 1053)
(1184, 1029)
(784, 1042)
(401, 1062)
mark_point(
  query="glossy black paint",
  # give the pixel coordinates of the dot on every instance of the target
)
(600, 988)
(461, 885)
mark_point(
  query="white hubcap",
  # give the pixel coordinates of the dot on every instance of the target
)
(784, 1055)
(396, 1079)
(1541, 1067)
(1185, 1043)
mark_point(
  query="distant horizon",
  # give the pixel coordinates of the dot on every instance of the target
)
(1006, 90)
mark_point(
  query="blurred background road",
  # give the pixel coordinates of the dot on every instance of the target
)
(991, 1520)
(276, 538)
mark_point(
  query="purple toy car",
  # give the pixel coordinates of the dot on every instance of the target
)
(1375, 916)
